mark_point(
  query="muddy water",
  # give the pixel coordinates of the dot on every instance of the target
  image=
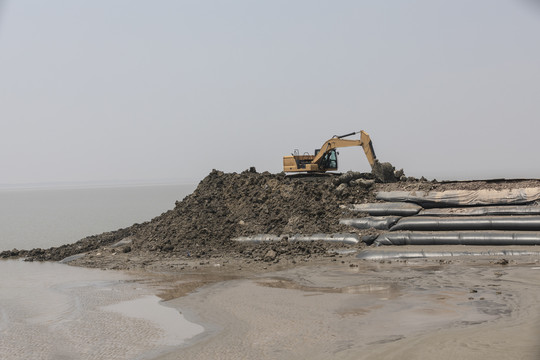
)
(54, 311)
(399, 310)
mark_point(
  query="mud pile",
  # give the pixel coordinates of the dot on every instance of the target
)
(229, 205)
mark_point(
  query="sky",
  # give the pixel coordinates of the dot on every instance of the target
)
(165, 91)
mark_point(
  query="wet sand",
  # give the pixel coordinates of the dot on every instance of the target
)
(415, 309)
(338, 308)
(54, 311)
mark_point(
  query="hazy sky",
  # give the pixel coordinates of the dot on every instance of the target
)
(126, 90)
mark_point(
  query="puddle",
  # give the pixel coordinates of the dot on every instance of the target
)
(174, 328)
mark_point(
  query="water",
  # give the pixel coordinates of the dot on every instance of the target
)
(45, 218)
(55, 311)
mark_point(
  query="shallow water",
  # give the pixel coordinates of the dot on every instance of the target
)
(417, 309)
(54, 311)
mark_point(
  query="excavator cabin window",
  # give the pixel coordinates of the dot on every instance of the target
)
(329, 160)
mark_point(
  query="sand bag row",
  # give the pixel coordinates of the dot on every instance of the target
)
(337, 238)
(483, 211)
(463, 197)
(384, 209)
(410, 209)
(459, 238)
(427, 223)
(411, 254)
(454, 217)
(380, 223)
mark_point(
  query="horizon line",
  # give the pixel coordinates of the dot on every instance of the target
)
(50, 185)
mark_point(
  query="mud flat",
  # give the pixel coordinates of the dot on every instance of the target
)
(416, 309)
(53, 311)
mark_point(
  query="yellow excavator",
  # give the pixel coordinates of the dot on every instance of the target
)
(325, 158)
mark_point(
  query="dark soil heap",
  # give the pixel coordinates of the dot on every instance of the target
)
(225, 206)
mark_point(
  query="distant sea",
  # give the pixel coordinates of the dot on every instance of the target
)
(42, 218)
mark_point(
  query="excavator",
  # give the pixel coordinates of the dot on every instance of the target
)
(325, 158)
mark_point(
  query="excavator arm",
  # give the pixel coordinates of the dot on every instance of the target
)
(338, 142)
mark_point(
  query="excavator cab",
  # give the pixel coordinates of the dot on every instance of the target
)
(329, 161)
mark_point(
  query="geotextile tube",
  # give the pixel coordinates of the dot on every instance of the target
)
(338, 238)
(459, 238)
(380, 223)
(483, 211)
(384, 209)
(388, 255)
(463, 197)
(430, 223)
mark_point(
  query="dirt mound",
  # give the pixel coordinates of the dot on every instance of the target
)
(228, 205)
(225, 206)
